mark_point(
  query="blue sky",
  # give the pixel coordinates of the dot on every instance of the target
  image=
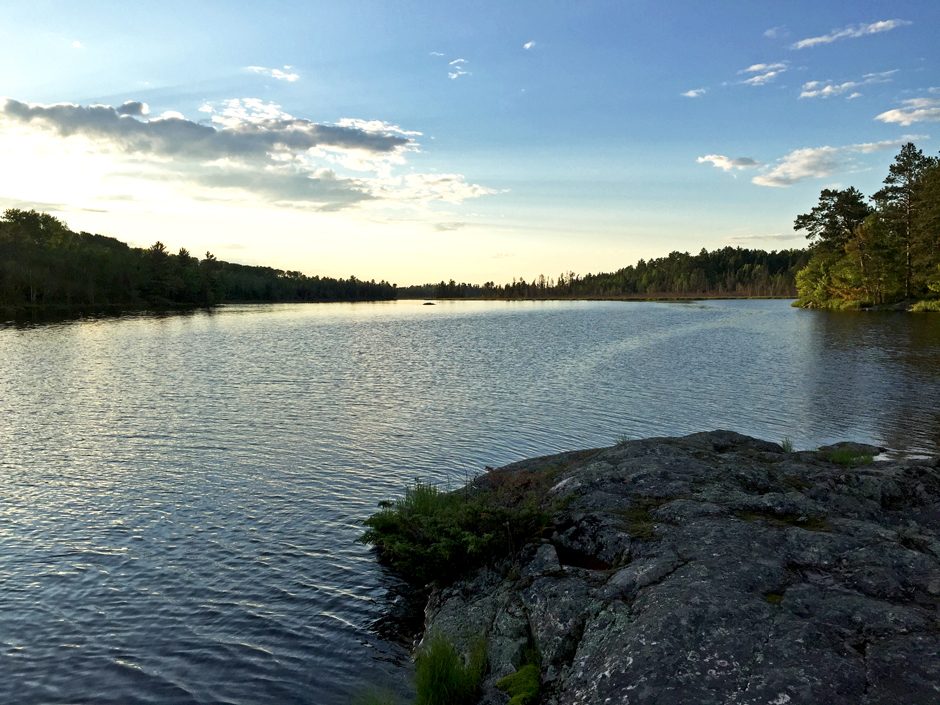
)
(415, 141)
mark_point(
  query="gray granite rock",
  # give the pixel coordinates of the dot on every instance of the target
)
(717, 568)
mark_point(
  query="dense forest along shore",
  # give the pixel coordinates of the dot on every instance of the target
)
(45, 266)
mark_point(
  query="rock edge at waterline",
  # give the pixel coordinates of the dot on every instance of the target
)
(718, 568)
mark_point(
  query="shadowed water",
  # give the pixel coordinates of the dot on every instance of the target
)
(180, 495)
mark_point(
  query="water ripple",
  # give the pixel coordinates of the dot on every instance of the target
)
(180, 496)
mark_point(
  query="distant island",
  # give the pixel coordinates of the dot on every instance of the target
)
(880, 255)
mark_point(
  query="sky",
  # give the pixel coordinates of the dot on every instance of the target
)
(479, 141)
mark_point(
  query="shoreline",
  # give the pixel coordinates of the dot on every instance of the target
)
(707, 568)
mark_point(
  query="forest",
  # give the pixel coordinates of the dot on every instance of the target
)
(728, 272)
(45, 264)
(879, 251)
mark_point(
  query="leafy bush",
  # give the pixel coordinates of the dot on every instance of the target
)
(434, 536)
(442, 677)
(522, 686)
(926, 305)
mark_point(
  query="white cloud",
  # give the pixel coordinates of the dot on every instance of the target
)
(529, 44)
(801, 164)
(77, 45)
(459, 66)
(436, 53)
(761, 68)
(827, 89)
(377, 127)
(913, 110)
(285, 74)
(724, 163)
(762, 78)
(244, 146)
(236, 112)
(879, 76)
(850, 32)
(776, 32)
(818, 162)
(763, 73)
(695, 93)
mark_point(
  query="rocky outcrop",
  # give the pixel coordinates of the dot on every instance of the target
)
(718, 568)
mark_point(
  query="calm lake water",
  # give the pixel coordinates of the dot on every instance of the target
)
(180, 495)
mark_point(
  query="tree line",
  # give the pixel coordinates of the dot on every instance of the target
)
(879, 250)
(43, 263)
(730, 271)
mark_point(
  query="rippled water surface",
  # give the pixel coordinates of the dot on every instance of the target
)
(180, 495)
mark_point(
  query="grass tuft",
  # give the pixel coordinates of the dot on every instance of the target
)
(442, 677)
(848, 457)
(787, 445)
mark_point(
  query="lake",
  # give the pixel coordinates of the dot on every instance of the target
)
(180, 495)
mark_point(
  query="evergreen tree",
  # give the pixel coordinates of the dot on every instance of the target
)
(899, 203)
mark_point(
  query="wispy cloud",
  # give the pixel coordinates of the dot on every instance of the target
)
(284, 74)
(913, 110)
(761, 68)
(761, 79)
(529, 44)
(77, 45)
(450, 188)
(695, 93)
(762, 73)
(850, 32)
(776, 32)
(449, 226)
(249, 145)
(458, 70)
(819, 162)
(828, 89)
(435, 53)
(720, 161)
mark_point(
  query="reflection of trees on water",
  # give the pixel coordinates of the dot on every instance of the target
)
(876, 376)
